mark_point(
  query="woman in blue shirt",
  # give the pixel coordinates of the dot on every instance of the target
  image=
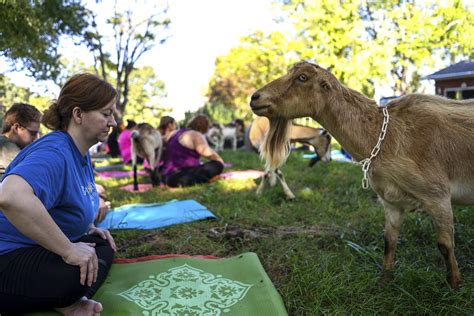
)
(51, 254)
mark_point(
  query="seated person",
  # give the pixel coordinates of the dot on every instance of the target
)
(167, 125)
(125, 142)
(181, 164)
(20, 128)
(51, 253)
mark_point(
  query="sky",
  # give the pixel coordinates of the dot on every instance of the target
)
(200, 30)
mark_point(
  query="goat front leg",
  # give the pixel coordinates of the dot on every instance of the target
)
(442, 214)
(393, 221)
(284, 185)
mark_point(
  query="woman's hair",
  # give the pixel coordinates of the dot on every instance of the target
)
(86, 91)
(164, 122)
(199, 123)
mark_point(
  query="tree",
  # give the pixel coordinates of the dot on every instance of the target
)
(361, 41)
(11, 93)
(132, 37)
(332, 33)
(146, 92)
(258, 59)
(30, 33)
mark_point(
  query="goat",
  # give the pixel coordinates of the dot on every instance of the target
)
(416, 151)
(147, 144)
(215, 136)
(218, 134)
(318, 138)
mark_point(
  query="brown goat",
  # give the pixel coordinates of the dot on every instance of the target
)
(425, 160)
(318, 138)
(146, 143)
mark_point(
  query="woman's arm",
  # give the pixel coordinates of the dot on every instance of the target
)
(26, 212)
(202, 147)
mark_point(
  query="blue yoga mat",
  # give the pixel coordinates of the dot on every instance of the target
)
(155, 215)
(336, 155)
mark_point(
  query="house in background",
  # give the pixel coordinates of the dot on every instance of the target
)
(455, 81)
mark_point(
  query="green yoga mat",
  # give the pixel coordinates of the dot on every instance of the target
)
(190, 286)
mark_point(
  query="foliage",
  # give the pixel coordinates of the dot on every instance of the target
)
(146, 91)
(331, 264)
(363, 43)
(133, 36)
(30, 33)
(11, 93)
(257, 60)
(218, 112)
(362, 40)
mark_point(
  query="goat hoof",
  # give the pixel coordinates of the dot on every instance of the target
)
(454, 283)
(385, 278)
(291, 197)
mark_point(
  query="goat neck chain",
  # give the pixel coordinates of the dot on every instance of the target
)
(375, 151)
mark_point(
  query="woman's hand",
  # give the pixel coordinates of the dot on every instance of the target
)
(83, 255)
(104, 207)
(104, 234)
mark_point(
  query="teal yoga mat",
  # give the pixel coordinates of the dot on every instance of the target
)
(150, 216)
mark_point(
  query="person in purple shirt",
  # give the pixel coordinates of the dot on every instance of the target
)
(181, 165)
(51, 254)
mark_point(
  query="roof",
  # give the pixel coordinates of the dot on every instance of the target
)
(460, 70)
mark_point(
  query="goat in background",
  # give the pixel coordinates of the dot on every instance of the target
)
(147, 144)
(317, 138)
(417, 151)
(233, 132)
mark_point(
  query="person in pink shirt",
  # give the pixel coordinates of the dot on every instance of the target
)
(125, 142)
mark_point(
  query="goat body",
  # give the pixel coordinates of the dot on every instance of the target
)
(147, 144)
(218, 134)
(425, 160)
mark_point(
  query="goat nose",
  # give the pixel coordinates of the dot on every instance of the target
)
(255, 96)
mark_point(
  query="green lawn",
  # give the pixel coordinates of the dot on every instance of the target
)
(322, 251)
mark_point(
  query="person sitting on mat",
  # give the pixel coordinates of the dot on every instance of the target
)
(167, 126)
(125, 141)
(20, 128)
(181, 165)
(51, 254)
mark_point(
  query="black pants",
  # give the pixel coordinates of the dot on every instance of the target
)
(35, 279)
(190, 176)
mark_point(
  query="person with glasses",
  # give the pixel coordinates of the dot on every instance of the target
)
(51, 253)
(20, 128)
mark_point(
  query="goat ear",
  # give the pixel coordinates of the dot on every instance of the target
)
(325, 85)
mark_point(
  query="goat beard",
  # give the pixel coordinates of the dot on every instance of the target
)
(276, 145)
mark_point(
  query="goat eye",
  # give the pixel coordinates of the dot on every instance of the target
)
(302, 77)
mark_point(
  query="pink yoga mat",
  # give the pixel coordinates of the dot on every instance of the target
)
(141, 187)
(119, 174)
(242, 174)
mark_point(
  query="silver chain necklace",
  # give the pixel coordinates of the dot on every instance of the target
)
(367, 161)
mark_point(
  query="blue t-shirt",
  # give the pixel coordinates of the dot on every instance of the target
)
(62, 179)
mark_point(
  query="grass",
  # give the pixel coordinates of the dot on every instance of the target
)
(332, 264)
